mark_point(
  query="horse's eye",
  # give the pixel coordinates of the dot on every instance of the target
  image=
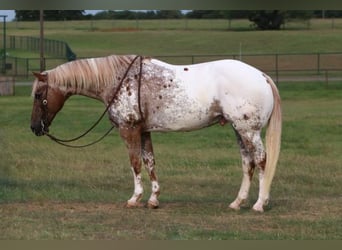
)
(37, 96)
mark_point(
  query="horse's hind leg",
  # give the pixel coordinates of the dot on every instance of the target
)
(253, 155)
(248, 170)
(148, 158)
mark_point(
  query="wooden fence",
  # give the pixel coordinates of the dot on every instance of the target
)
(6, 85)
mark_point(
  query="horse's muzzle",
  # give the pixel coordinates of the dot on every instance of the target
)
(39, 129)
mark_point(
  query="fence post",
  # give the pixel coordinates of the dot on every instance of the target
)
(12, 42)
(318, 63)
(16, 65)
(27, 67)
(276, 65)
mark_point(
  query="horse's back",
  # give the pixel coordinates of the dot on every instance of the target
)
(232, 74)
(232, 79)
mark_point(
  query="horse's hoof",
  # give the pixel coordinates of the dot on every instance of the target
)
(234, 206)
(153, 204)
(258, 208)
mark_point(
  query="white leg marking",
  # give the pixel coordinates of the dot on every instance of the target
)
(243, 193)
(149, 160)
(263, 195)
(259, 158)
(138, 190)
(153, 200)
(253, 156)
(247, 170)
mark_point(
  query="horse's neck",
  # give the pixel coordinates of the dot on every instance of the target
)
(102, 86)
(95, 93)
(88, 91)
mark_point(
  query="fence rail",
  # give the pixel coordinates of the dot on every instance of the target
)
(52, 47)
(23, 67)
(281, 66)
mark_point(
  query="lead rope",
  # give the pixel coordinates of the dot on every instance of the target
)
(65, 141)
(61, 142)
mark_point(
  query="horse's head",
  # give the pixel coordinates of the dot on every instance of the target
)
(46, 104)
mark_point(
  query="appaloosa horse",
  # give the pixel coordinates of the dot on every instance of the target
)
(143, 95)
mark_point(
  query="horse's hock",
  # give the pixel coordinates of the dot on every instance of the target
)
(6, 85)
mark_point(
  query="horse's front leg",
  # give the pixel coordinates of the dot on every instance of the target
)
(148, 158)
(132, 137)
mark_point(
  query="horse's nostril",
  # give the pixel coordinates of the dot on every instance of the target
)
(33, 129)
(36, 130)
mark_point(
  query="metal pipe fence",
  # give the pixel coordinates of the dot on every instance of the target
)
(294, 66)
(52, 47)
(280, 66)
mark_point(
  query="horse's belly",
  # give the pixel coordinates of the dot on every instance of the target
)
(181, 118)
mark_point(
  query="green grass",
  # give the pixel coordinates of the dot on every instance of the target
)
(51, 192)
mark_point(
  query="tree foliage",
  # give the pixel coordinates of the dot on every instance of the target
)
(49, 15)
(264, 19)
(127, 14)
(267, 20)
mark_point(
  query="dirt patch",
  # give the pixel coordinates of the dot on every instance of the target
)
(129, 29)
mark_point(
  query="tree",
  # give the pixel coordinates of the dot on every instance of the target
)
(49, 15)
(206, 14)
(127, 14)
(103, 15)
(27, 15)
(333, 13)
(236, 14)
(267, 20)
(169, 14)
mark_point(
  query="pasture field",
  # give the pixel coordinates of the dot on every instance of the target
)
(51, 192)
(166, 37)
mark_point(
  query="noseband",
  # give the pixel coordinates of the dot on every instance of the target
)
(65, 142)
(44, 120)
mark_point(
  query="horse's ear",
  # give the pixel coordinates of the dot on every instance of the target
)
(41, 77)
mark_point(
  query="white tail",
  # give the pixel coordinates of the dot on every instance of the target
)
(273, 137)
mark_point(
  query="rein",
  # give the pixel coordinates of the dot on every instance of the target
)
(65, 142)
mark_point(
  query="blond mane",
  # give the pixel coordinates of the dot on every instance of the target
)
(92, 73)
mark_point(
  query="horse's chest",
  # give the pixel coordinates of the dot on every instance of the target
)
(155, 93)
(126, 105)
